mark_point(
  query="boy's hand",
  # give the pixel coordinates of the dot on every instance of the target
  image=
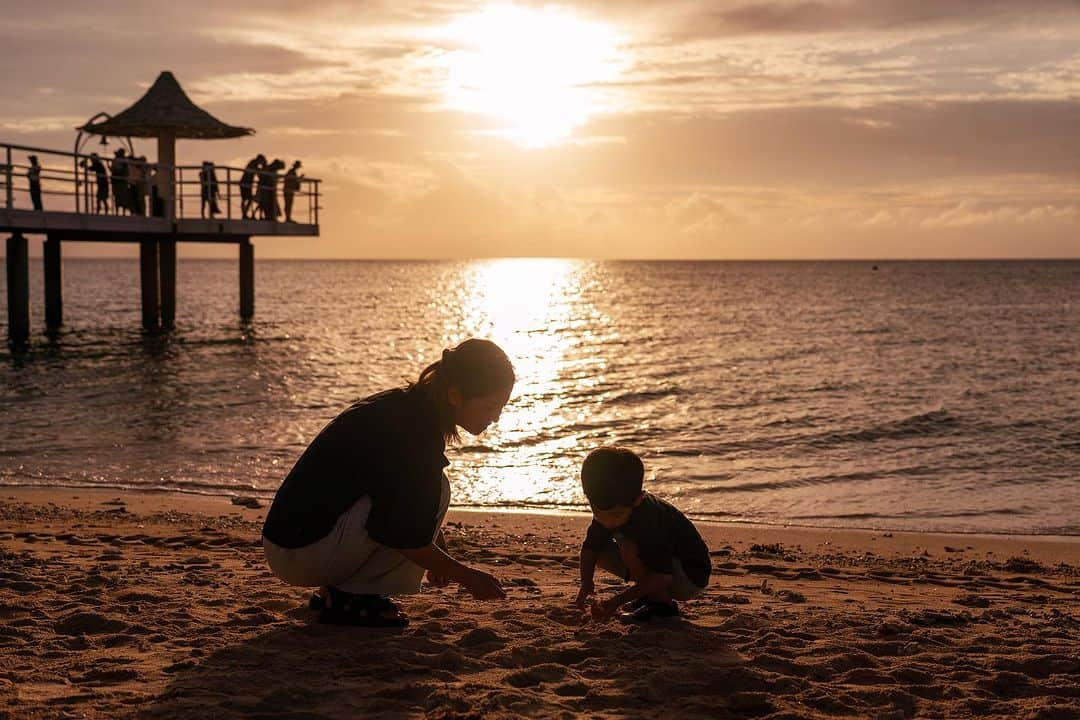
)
(582, 600)
(601, 611)
(437, 580)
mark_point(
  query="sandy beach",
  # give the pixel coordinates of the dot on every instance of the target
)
(160, 606)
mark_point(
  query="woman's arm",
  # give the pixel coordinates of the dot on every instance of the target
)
(435, 579)
(482, 585)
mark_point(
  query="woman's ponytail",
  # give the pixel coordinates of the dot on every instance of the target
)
(475, 367)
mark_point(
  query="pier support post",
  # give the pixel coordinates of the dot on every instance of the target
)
(54, 289)
(247, 279)
(167, 275)
(148, 275)
(18, 289)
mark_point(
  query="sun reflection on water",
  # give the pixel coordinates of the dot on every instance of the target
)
(530, 307)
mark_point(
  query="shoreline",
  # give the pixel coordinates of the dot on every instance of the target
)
(1043, 548)
(780, 525)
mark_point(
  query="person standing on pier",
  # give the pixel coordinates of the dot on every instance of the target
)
(119, 182)
(210, 193)
(101, 175)
(289, 188)
(247, 181)
(157, 203)
(137, 185)
(267, 195)
(33, 176)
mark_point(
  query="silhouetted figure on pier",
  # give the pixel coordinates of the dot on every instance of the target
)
(137, 185)
(101, 176)
(247, 182)
(33, 176)
(157, 203)
(121, 196)
(210, 193)
(289, 188)
(267, 197)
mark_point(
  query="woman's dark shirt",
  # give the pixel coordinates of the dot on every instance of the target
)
(661, 533)
(388, 447)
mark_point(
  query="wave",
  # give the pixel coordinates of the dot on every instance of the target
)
(927, 424)
(913, 514)
(792, 483)
(639, 396)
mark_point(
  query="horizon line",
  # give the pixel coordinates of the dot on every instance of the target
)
(585, 258)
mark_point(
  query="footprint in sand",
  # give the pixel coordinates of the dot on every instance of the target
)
(451, 660)
(572, 689)
(548, 672)
(85, 623)
(570, 617)
(972, 600)
(478, 637)
(99, 676)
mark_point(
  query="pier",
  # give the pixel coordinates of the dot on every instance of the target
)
(56, 193)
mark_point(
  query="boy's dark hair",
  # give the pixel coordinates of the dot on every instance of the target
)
(612, 476)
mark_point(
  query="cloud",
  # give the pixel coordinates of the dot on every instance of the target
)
(1047, 80)
(41, 124)
(821, 16)
(837, 147)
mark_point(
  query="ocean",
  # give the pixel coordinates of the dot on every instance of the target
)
(938, 396)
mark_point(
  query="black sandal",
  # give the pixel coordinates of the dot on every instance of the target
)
(344, 608)
(652, 609)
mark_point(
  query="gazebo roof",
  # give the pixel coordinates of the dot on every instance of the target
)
(166, 109)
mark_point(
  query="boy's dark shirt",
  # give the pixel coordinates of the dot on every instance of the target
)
(661, 533)
(388, 447)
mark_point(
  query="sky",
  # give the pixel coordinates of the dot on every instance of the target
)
(754, 129)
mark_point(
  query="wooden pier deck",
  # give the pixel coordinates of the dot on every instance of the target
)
(114, 228)
(67, 191)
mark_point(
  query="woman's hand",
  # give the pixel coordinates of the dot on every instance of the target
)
(483, 586)
(441, 566)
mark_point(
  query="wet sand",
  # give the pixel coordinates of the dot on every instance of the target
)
(159, 606)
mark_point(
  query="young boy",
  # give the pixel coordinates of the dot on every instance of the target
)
(638, 537)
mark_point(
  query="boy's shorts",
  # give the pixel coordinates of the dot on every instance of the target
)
(681, 588)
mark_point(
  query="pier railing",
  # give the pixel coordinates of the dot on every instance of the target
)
(69, 183)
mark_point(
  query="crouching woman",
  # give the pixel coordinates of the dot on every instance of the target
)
(360, 514)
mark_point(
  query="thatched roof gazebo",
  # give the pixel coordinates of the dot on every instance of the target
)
(167, 113)
(79, 207)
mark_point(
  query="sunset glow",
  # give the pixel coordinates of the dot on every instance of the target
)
(527, 306)
(693, 130)
(532, 69)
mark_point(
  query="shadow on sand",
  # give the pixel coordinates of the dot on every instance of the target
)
(524, 662)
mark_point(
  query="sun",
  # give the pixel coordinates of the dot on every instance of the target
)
(539, 71)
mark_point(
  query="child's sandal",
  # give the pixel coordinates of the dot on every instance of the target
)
(652, 609)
